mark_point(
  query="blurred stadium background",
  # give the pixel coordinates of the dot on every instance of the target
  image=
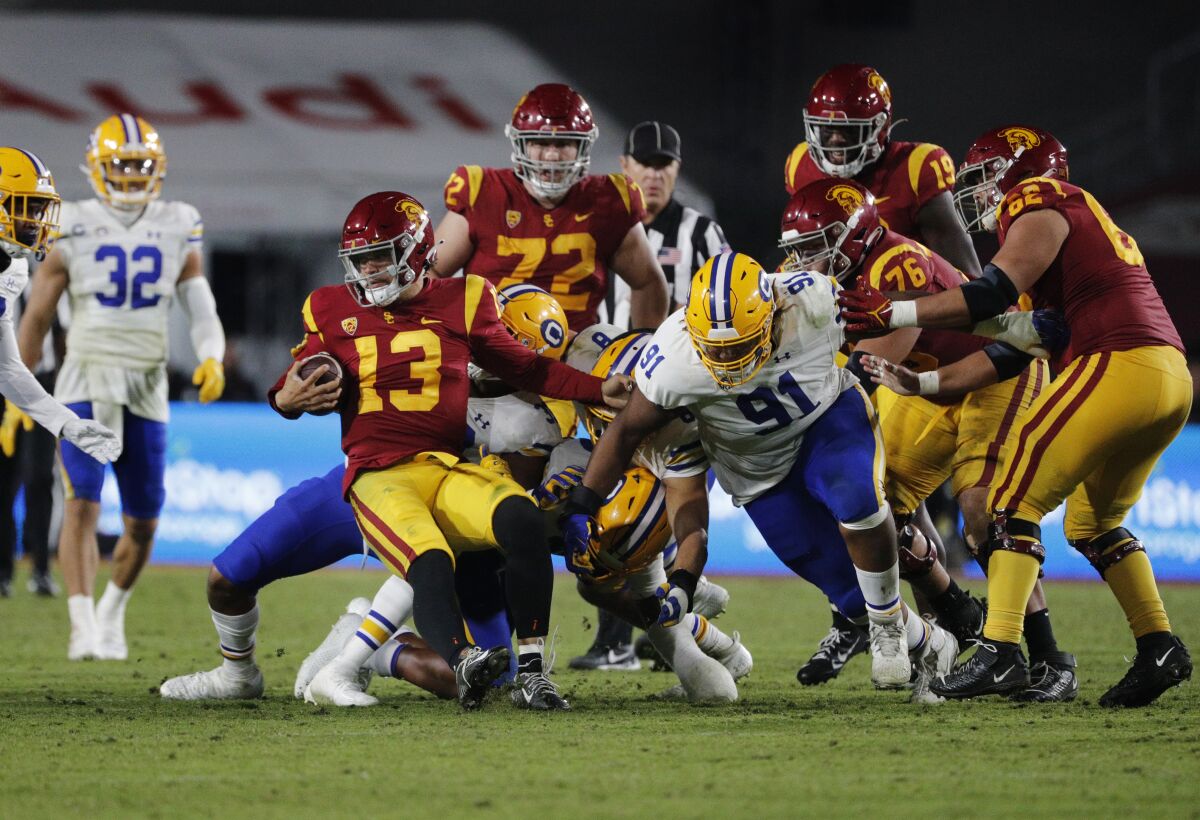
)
(275, 122)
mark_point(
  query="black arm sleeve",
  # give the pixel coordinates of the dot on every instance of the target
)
(989, 295)
(1007, 360)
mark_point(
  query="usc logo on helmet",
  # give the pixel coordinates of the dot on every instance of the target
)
(410, 209)
(879, 84)
(1020, 138)
(847, 196)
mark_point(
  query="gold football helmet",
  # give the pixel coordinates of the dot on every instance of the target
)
(729, 315)
(29, 204)
(633, 526)
(125, 162)
(620, 356)
(535, 318)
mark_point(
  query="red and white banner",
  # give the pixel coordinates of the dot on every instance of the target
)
(274, 127)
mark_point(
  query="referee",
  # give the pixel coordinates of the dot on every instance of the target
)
(682, 238)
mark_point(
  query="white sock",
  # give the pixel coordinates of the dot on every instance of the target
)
(82, 610)
(111, 606)
(383, 661)
(881, 590)
(391, 607)
(237, 634)
(917, 630)
(710, 639)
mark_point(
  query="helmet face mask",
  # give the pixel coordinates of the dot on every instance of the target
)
(829, 226)
(818, 250)
(844, 147)
(125, 162)
(976, 194)
(29, 205)
(997, 161)
(552, 133)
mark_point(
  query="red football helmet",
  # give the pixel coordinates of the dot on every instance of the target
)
(847, 119)
(996, 162)
(830, 219)
(387, 245)
(557, 112)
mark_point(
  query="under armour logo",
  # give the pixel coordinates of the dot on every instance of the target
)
(782, 356)
(480, 422)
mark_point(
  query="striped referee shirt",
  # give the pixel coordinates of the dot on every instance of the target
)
(683, 239)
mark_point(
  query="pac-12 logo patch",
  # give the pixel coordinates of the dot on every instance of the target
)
(512, 218)
(350, 325)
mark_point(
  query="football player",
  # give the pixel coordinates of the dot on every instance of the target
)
(122, 258)
(790, 435)
(1059, 245)
(832, 226)
(847, 126)
(547, 222)
(29, 210)
(405, 339)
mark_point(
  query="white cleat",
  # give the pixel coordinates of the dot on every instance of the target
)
(339, 686)
(737, 659)
(82, 646)
(110, 638)
(710, 599)
(213, 684)
(933, 664)
(890, 664)
(676, 692)
(343, 629)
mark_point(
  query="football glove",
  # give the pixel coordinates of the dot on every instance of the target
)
(581, 534)
(1040, 333)
(673, 604)
(554, 489)
(14, 417)
(866, 310)
(93, 438)
(210, 378)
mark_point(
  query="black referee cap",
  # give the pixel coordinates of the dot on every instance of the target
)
(649, 140)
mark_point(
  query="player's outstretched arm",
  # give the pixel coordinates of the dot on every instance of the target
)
(49, 282)
(204, 326)
(970, 373)
(939, 224)
(614, 450)
(454, 245)
(634, 262)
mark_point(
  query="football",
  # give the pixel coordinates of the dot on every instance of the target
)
(314, 362)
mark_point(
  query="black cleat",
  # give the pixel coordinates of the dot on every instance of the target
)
(644, 648)
(1052, 680)
(619, 658)
(995, 669)
(845, 640)
(966, 622)
(533, 690)
(1151, 675)
(476, 671)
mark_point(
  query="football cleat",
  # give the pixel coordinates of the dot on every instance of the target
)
(41, 584)
(1052, 680)
(476, 671)
(608, 659)
(890, 664)
(1150, 676)
(82, 645)
(737, 658)
(533, 690)
(329, 649)
(213, 684)
(339, 685)
(995, 669)
(110, 636)
(710, 599)
(966, 622)
(932, 664)
(845, 640)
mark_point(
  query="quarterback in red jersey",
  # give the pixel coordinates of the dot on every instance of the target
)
(404, 340)
(847, 125)
(1094, 434)
(546, 222)
(831, 226)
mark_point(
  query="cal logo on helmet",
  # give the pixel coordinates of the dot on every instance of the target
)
(534, 318)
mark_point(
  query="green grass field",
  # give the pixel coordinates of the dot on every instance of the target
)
(94, 738)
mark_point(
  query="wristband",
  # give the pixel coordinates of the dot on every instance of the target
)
(928, 383)
(686, 581)
(583, 500)
(904, 314)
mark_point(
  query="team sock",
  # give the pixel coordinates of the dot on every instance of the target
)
(391, 606)
(711, 640)
(529, 658)
(236, 634)
(881, 590)
(1011, 578)
(383, 659)
(1132, 582)
(529, 570)
(111, 606)
(918, 631)
(1039, 634)
(435, 606)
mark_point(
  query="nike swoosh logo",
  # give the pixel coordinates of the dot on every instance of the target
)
(425, 320)
(1002, 675)
(1163, 659)
(582, 217)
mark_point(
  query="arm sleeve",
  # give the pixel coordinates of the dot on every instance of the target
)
(21, 388)
(494, 349)
(208, 337)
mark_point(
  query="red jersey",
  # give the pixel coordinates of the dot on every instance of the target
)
(897, 263)
(908, 175)
(406, 386)
(1098, 280)
(564, 250)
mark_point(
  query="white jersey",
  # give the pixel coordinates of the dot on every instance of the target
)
(517, 423)
(121, 282)
(672, 452)
(752, 435)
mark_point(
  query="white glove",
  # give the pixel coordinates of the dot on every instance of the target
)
(93, 438)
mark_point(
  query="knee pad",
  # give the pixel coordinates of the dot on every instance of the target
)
(911, 565)
(1110, 548)
(1013, 535)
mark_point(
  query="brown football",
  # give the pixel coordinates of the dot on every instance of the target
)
(312, 363)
